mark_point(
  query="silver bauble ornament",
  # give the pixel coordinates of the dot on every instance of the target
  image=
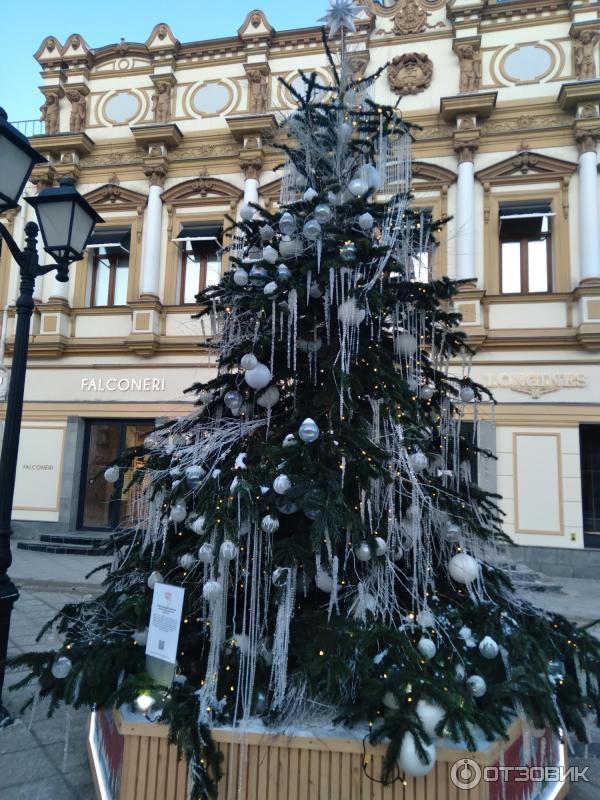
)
(266, 233)
(418, 461)
(290, 247)
(324, 582)
(425, 619)
(228, 550)
(178, 513)
(194, 476)
(287, 224)
(312, 230)
(154, 578)
(363, 552)
(406, 344)
(409, 760)
(269, 397)
(205, 553)
(240, 277)
(463, 568)
(270, 288)
(477, 685)
(430, 716)
(258, 276)
(488, 647)
(366, 221)
(111, 474)
(290, 440)
(247, 212)
(308, 431)
(270, 254)
(348, 252)
(309, 195)
(233, 400)
(323, 213)
(198, 524)
(427, 392)
(187, 561)
(283, 272)
(380, 546)
(426, 647)
(258, 377)
(467, 394)
(349, 313)
(269, 524)
(212, 590)
(358, 187)
(282, 484)
(61, 668)
(315, 291)
(248, 361)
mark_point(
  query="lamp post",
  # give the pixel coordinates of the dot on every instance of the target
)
(66, 221)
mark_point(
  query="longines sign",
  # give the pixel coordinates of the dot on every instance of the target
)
(535, 384)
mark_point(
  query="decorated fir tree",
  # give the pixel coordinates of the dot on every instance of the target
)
(318, 506)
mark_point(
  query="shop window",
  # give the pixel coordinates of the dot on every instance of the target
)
(589, 439)
(200, 259)
(109, 266)
(525, 248)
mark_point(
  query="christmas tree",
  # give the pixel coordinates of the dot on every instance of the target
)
(318, 508)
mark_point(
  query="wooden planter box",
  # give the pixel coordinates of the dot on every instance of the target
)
(131, 759)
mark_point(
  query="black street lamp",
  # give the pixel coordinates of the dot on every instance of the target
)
(67, 222)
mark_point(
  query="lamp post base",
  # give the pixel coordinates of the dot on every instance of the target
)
(8, 597)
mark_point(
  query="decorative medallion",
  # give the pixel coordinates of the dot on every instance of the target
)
(411, 18)
(410, 73)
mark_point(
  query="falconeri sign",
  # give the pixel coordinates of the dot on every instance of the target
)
(123, 385)
(535, 384)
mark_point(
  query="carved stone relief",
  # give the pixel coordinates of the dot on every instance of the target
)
(411, 18)
(258, 91)
(161, 102)
(50, 114)
(410, 73)
(469, 60)
(77, 117)
(584, 46)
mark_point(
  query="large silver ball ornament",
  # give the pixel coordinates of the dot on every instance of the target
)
(212, 590)
(269, 524)
(477, 685)
(463, 568)
(205, 553)
(308, 431)
(154, 578)
(61, 668)
(282, 484)
(111, 474)
(258, 377)
(488, 647)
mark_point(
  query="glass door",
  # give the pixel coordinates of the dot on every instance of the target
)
(100, 504)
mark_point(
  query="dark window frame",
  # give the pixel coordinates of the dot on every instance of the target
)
(523, 241)
(113, 259)
(204, 248)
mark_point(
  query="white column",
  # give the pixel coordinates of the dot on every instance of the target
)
(251, 191)
(150, 270)
(465, 213)
(589, 232)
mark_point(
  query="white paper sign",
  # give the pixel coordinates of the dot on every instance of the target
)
(165, 620)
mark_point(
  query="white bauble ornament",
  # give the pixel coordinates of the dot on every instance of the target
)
(366, 221)
(270, 288)
(154, 578)
(178, 513)
(425, 619)
(358, 187)
(205, 553)
(426, 647)
(363, 552)
(61, 668)
(283, 272)
(430, 715)
(309, 195)
(258, 276)
(290, 440)
(315, 292)
(406, 344)
(308, 431)
(349, 313)
(240, 277)
(194, 475)
(477, 685)
(140, 637)
(290, 247)
(269, 523)
(488, 647)
(269, 397)
(212, 590)
(324, 582)
(467, 394)
(463, 568)
(198, 524)
(187, 560)
(418, 461)
(233, 400)
(427, 392)
(287, 224)
(312, 230)
(266, 233)
(282, 484)
(111, 474)
(380, 546)
(258, 377)
(389, 701)
(228, 550)
(323, 213)
(248, 361)
(247, 213)
(270, 254)
(409, 761)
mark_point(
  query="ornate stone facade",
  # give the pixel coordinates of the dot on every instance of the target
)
(410, 73)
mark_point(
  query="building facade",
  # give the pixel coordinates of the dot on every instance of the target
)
(166, 139)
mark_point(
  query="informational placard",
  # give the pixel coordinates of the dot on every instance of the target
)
(165, 621)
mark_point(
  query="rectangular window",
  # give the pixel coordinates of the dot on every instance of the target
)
(589, 445)
(525, 248)
(200, 261)
(422, 245)
(109, 248)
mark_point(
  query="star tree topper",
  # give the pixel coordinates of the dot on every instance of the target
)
(341, 14)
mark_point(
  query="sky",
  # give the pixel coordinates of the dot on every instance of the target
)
(25, 23)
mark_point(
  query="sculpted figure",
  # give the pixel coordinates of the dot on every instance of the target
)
(469, 59)
(257, 91)
(50, 114)
(161, 103)
(583, 46)
(77, 118)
